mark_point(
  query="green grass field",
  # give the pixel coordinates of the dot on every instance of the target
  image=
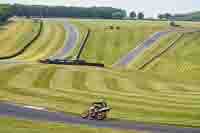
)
(8, 125)
(133, 95)
(48, 44)
(50, 41)
(166, 92)
(106, 45)
(182, 61)
(162, 44)
(157, 47)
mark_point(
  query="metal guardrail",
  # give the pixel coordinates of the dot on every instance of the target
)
(83, 44)
(77, 61)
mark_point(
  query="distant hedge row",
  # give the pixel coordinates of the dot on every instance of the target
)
(195, 16)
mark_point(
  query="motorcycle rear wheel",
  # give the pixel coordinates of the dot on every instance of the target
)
(101, 116)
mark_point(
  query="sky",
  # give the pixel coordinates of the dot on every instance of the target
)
(150, 7)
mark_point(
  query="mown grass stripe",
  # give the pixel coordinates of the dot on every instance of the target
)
(27, 44)
(129, 100)
(10, 28)
(6, 76)
(36, 49)
(43, 78)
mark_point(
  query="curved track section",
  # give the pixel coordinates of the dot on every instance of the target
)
(70, 42)
(41, 114)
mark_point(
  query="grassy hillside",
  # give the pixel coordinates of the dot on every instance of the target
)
(16, 35)
(49, 42)
(163, 43)
(106, 45)
(182, 61)
(166, 92)
(156, 48)
(132, 95)
(8, 125)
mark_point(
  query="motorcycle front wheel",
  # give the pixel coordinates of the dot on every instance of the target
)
(85, 115)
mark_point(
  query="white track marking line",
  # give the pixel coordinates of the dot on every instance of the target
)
(34, 107)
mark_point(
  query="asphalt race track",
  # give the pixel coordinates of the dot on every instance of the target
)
(40, 114)
(70, 42)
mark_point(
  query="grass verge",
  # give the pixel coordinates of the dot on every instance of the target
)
(8, 125)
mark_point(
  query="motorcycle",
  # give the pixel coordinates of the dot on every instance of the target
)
(98, 112)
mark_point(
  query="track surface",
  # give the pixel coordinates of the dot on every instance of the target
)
(133, 54)
(39, 114)
(70, 42)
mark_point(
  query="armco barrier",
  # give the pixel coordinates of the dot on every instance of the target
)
(26, 46)
(83, 44)
(77, 61)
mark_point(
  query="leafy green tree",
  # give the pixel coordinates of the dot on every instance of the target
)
(165, 16)
(140, 15)
(160, 16)
(117, 15)
(62, 11)
(133, 15)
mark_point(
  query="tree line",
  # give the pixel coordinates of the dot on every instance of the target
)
(195, 16)
(62, 11)
(134, 15)
(7, 11)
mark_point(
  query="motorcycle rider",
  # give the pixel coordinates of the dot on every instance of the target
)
(93, 110)
(101, 104)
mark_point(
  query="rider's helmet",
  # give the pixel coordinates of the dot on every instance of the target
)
(103, 102)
